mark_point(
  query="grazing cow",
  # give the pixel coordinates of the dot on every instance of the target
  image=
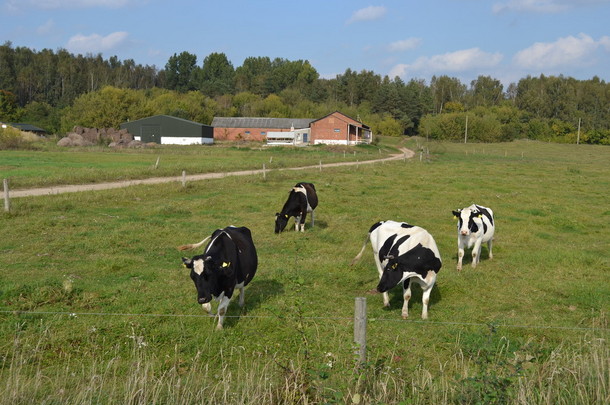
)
(301, 200)
(475, 226)
(403, 252)
(229, 261)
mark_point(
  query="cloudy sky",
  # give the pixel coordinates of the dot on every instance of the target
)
(505, 39)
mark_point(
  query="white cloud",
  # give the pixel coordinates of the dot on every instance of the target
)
(96, 43)
(404, 45)
(458, 61)
(367, 14)
(568, 51)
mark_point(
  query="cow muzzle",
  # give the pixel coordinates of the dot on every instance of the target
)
(203, 300)
(464, 233)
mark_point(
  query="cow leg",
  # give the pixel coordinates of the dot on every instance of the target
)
(242, 297)
(303, 217)
(491, 256)
(297, 221)
(476, 253)
(406, 294)
(222, 310)
(460, 256)
(427, 290)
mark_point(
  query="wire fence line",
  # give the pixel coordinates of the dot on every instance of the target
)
(491, 325)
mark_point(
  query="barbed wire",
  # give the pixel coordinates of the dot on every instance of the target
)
(492, 325)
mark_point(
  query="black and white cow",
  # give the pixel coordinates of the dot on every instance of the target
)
(228, 262)
(301, 200)
(403, 253)
(475, 227)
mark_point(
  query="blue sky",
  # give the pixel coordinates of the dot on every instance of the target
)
(505, 39)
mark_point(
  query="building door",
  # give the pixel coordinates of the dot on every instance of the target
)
(150, 133)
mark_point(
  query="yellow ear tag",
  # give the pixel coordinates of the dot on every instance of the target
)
(455, 217)
(183, 264)
(394, 265)
(480, 215)
(225, 264)
(286, 216)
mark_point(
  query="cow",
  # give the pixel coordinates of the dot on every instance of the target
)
(475, 227)
(229, 261)
(301, 200)
(403, 253)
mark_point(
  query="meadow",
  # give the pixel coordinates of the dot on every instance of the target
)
(52, 166)
(96, 308)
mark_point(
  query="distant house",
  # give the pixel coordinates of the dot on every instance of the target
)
(339, 129)
(27, 128)
(165, 129)
(254, 129)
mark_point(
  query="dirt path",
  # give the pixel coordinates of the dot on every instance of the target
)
(407, 153)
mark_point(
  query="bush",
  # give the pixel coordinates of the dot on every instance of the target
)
(12, 138)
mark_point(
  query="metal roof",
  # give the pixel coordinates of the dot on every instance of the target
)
(26, 127)
(255, 122)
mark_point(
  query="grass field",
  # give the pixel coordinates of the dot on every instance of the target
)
(59, 166)
(97, 309)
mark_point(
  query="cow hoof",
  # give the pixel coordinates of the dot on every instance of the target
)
(405, 317)
(219, 327)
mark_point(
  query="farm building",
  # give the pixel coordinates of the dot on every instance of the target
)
(26, 128)
(334, 128)
(165, 129)
(254, 129)
(339, 129)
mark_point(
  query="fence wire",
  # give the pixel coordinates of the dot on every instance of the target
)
(492, 325)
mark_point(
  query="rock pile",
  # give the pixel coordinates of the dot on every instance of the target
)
(112, 137)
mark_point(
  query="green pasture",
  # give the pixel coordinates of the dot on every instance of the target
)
(60, 166)
(96, 308)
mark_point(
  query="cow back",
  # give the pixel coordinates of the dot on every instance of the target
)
(311, 194)
(247, 258)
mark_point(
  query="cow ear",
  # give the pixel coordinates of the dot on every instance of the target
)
(456, 214)
(188, 263)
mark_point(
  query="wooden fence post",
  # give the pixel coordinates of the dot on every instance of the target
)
(7, 200)
(264, 172)
(184, 178)
(360, 329)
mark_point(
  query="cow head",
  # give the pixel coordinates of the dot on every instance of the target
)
(392, 275)
(280, 222)
(207, 274)
(469, 220)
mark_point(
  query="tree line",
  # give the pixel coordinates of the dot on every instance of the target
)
(57, 90)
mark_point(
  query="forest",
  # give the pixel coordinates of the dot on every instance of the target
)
(57, 90)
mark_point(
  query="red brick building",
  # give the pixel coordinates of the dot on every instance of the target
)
(254, 129)
(339, 129)
(335, 128)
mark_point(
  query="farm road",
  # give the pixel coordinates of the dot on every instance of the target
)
(406, 153)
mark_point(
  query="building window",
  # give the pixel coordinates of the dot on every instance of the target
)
(247, 132)
(337, 130)
(263, 133)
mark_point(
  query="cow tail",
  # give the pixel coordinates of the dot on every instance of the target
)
(193, 245)
(359, 255)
